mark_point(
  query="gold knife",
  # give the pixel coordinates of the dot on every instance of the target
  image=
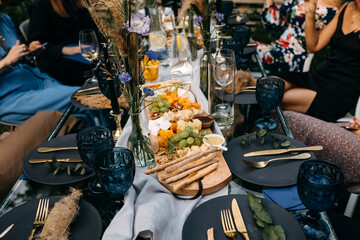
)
(280, 151)
(53, 149)
(239, 221)
(68, 160)
(6, 230)
(210, 234)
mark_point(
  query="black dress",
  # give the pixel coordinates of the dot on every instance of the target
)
(336, 80)
(48, 26)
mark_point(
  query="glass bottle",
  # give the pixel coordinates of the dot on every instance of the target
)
(180, 52)
(157, 37)
(191, 36)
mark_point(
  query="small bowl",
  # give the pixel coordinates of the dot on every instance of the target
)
(205, 119)
(217, 145)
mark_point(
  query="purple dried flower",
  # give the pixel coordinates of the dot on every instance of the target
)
(148, 92)
(139, 24)
(152, 55)
(219, 17)
(124, 77)
(198, 20)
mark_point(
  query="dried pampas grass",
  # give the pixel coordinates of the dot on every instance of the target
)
(243, 79)
(186, 4)
(60, 217)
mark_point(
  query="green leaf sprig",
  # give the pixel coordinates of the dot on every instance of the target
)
(263, 219)
(58, 167)
(261, 136)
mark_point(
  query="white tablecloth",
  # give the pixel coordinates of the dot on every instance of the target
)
(150, 210)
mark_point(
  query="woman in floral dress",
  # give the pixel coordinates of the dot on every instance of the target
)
(288, 53)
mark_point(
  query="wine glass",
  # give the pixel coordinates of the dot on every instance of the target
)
(269, 94)
(318, 185)
(117, 177)
(90, 141)
(223, 72)
(89, 47)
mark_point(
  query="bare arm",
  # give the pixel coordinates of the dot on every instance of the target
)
(315, 41)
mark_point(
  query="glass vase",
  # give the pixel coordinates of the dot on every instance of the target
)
(204, 71)
(139, 143)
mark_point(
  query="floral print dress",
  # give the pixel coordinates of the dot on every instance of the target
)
(289, 52)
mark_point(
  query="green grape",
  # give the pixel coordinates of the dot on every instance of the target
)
(189, 129)
(204, 133)
(182, 143)
(161, 104)
(155, 109)
(184, 134)
(167, 104)
(159, 98)
(195, 135)
(190, 140)
(197, 142)
(164, 109)
(177, 137)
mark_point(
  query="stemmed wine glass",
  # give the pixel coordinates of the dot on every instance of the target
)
(318, 185)
(91, 141)
(269, 94)
(117, 177)
(89, 47)
(223, 66)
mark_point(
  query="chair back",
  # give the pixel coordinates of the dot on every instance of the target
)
(24, 28)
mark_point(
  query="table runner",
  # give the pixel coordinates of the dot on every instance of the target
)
(150, 210)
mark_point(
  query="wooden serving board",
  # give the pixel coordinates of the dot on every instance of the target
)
(212, 182)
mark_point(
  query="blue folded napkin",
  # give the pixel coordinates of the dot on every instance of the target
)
(288, 197)
(23, 176)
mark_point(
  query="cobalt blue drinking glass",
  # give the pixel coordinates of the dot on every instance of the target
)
(118, 176)
(269, 94)
(90, 141)
(319, 184)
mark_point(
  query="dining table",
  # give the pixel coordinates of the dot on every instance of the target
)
(148, 209)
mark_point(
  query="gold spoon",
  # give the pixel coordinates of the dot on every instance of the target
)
(53, 149)
(263, 164)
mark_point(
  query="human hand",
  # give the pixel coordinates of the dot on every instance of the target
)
(356, 124)
(15, 53)
(34, 45)
(70, 50)
(310, 6)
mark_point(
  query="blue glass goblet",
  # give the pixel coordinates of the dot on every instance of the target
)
(90, 141)
(319, 184)
(269, 94)
(117, 177)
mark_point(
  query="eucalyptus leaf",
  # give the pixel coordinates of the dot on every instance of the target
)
(243, 140)
(276, 144)
(255, 136)
(269, 233)
(286, 143)
(77, 167)
(258, 221)
(264, 216)
(280, 232)
(263, 132)
(53, 159)
(262, 140)
(83, 171)
(56, 171)
(47, 164)
(68, 170)
(254, 202)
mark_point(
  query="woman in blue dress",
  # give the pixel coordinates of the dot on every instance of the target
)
(24, 90)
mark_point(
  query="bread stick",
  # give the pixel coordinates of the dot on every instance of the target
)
(189, 160)
(186, 173)
(201, 173)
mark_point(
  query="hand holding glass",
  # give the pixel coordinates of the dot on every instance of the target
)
(89, 47)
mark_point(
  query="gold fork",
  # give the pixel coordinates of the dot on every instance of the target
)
(41, 215)
(263, 164)
(228, 224)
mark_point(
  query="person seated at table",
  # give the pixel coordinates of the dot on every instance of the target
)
(288, 53)
(58, 22)
(332, 89)
(15, 146)
(24, 90)
(341, 146)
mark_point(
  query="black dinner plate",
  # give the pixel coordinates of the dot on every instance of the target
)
(207, 215)
(87, 225)
(78, 104)
(276, 174)
(247, 97)
(40, 173)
